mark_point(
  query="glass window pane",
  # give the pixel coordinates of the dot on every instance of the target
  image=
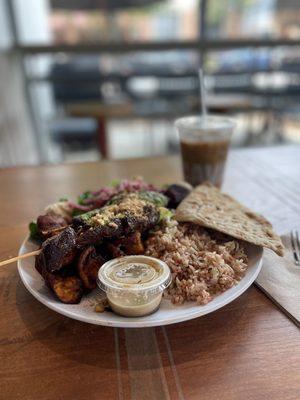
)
(75, 22)
(6, 39)
(253, 19)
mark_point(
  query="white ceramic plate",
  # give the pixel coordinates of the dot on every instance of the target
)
(167, 313)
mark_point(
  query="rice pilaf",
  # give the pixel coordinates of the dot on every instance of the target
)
(203, 263)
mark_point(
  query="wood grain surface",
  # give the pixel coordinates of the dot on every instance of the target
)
(246, 350)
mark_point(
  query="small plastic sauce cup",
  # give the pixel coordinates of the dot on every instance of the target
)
(134, 284)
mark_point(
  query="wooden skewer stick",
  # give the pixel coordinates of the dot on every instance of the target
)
(11, 260)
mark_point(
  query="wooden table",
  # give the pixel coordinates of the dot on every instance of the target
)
(248, 350)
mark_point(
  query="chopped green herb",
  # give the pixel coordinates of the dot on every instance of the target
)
(33, 229)
(165, 213)
(84, 196)
(63, 199)
(86, 216)
(156, 198)
(115, 182)
(76, 212)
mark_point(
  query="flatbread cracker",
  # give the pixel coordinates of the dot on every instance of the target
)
(207, 206)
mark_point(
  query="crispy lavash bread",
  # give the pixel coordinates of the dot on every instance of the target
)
(207, 206)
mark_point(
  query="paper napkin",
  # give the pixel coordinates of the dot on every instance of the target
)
(279, 279)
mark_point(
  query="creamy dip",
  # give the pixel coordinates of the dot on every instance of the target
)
(134, 273)
(134, 284)
(132, 309)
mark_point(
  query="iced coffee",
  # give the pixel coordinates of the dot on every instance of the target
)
(204, 143)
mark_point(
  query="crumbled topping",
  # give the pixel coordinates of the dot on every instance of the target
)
(130, 203)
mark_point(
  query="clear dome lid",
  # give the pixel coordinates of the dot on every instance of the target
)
(134, 274)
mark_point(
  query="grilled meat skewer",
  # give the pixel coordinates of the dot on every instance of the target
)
(128, 216)
(59, 250)
(114, 221)
(118, 226)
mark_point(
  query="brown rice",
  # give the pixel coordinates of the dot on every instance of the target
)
(203, 263)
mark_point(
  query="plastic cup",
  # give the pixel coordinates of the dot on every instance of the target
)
(134, 284)
(204, 143)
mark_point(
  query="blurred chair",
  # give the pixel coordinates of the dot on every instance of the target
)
(75, 134)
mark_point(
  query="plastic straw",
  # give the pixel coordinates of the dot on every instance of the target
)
(202, 93)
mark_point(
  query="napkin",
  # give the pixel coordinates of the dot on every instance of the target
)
(279, 279)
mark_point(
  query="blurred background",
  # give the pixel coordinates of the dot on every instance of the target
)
(82, 80)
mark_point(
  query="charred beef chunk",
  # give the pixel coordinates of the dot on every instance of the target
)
(133, 244)
(143, 222)
(94, 235)
(128, 215)
(59, 250)
(176, 193)
(39, 264)
(88, 266)
(68, 289)
(50, 225)
(128, 245)
(64, 284)
(114, 250)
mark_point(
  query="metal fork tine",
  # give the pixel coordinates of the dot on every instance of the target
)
(295, 246)
(297, 242)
